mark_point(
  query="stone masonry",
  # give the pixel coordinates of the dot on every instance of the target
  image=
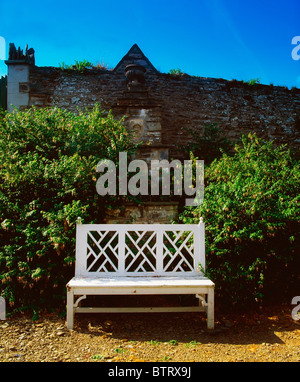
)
(159, 107)
(183, 101)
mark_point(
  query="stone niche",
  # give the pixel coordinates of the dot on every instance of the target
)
(144, 124)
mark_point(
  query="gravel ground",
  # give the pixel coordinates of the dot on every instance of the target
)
(270, 335)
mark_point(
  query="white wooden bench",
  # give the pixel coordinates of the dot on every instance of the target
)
(140, 259)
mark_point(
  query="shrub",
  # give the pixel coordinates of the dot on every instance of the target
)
(251, 211)
(79, 66)
(252, 82)
(48, 161)
(176, 72)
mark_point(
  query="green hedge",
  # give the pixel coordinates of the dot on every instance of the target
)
(48, 161)
(251, 210)
(48, 177)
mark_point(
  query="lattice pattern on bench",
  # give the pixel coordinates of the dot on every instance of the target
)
(102, 251)
(178, 251)
(138, 250)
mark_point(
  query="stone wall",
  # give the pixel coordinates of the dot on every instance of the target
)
(184, 102)
(161, 108)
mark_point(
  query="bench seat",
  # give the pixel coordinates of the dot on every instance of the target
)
(140, 284)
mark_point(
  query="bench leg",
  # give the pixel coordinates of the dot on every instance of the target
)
(70, 309)
(210, 309)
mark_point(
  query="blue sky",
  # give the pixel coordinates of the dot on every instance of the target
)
(231, 39)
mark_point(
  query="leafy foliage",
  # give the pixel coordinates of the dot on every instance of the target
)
(176, 72)
(251, 210)
(252, 82)
(79, 66)
(48, 161)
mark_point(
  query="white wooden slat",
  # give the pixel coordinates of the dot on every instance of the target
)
(201, 244)
(144, 281)
(121, 235)
(153, 309)
(81, 250)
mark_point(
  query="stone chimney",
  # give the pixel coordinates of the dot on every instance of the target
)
(18, 67)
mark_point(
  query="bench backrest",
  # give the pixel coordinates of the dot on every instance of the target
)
(106, 250)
